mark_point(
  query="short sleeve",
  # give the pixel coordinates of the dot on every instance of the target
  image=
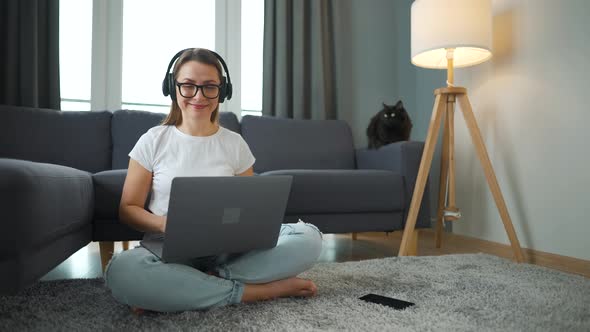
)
(143, 152)
(245, 157)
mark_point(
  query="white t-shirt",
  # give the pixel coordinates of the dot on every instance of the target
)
(168, 153)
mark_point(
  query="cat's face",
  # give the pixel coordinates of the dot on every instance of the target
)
(392, 116)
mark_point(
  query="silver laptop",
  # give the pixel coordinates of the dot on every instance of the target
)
(210, 216)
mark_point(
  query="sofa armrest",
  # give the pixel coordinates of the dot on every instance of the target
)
(41, 202)
(402, 158)
(399, 157)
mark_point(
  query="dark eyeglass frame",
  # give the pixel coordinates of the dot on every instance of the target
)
(179, 85)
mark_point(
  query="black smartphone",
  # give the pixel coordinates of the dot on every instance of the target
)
(387, 301)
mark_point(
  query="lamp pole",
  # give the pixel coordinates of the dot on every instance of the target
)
(450, 72)
(447, 209)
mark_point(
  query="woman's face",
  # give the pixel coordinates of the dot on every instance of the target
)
(198, 107)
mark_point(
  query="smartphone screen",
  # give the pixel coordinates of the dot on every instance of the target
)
(387, 301)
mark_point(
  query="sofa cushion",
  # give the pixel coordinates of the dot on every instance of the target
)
(128, 126)
(312, 191)
(352, 222)
(108, 188)
(298, 144)
(41, 203)
(81, 140)
(343, 191)
(230, 121)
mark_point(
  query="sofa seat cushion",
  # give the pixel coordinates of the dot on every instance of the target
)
(108, 188)
(343, 191)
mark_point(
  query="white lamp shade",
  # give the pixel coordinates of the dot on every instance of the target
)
(465, 25)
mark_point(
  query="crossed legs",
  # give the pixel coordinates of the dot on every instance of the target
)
(139, 279)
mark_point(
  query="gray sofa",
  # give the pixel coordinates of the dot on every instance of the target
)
(62, 173)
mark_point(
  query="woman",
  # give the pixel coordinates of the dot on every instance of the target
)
(190, 142)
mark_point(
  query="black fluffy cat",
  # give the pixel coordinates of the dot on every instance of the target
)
(391, 124)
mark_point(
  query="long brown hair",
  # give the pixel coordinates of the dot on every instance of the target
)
(194, 54)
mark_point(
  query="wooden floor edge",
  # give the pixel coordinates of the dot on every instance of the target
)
(532, 256)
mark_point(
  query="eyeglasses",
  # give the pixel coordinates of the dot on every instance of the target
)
(189, 90)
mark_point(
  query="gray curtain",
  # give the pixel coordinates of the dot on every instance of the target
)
(29, 56)
(298, 68)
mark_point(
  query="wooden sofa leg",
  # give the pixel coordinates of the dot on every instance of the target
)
(354, 236)
(107, 248)
(413, 243)
(125, 245)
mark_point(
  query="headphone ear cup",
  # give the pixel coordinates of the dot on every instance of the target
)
(171, 87)
(222, 90)
(165, 89)
(228, 90)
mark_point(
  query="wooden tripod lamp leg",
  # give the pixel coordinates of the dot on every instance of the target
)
(490, 175)
(444, 172)
(451, 202)
(425, 162)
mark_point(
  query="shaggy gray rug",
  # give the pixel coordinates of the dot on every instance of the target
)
(452, 293)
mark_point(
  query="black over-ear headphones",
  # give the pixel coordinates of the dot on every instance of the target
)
(169, 85)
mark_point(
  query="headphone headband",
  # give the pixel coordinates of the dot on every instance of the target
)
(168, 86)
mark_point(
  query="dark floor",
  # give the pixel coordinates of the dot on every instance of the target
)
(337, 248)
(341, 248)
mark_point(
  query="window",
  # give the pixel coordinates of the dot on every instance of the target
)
(148, 47)
(75, 45)
(113, 54)
(252, 38)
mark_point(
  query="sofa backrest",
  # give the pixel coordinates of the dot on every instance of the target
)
(279, 143)
(128, 126)
(76, 139)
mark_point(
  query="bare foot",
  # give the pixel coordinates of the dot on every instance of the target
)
(281, 288)
(294, 287)
(137, 311)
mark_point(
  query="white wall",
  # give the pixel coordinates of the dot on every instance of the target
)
(373, 66)
(372, 40)
(531, 105)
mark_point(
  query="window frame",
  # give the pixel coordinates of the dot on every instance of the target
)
(107, 53)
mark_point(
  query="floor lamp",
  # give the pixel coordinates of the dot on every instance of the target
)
(448, 34)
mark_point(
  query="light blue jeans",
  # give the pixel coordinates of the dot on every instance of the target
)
(140, 279)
